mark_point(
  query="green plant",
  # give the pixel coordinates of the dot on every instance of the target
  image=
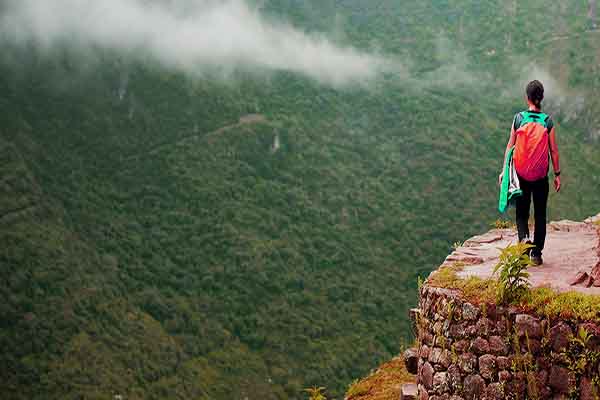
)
(582, 338)
(512, 266)
(356, 389)
(316, 393)
(595, 386)
(532, 386)
(457, 244)
(580, 357)
(442, 342)
(453, 354)
(450, 309)
(502, 224)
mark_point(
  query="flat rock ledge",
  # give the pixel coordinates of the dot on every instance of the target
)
(469, 351)
(571, 256)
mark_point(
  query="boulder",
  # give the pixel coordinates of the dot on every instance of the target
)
(559, 337)
(454, 377)
(470, 312)
(498, 346)
(424, 351)
(504, 376)
(504, 362)
(441, 383)
(423, 395)
(427, 376)
(586, 389)
(485, 327)
(434, 355)
(528, 325)
(474, 387)
(559, 379)
(467, 362)
(480, 346)
(494, 391)
(487, 366)
(579, 278)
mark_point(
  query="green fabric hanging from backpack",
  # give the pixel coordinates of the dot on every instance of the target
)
(509, 188)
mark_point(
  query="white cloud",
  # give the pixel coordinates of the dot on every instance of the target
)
(187, 35)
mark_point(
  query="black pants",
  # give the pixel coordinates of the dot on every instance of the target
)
(539, 191)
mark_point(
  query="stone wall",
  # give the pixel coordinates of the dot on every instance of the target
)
(468, 352)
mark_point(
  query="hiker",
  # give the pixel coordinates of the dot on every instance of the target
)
(534, 137)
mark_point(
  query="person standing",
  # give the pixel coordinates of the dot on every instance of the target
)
(534, 137)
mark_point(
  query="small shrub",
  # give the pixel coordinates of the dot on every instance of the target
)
(513, 264)
(502, 224)
(316, 393)
(457, 245)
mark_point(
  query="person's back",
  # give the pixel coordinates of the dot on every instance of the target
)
(534, 137)
(532, 145)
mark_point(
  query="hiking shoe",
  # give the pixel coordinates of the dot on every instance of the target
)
(536, 259)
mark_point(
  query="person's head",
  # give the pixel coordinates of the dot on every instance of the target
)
(535, 93)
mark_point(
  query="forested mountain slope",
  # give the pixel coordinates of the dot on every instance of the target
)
(172, 236)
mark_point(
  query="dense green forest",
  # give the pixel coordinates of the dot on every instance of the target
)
(172, 236)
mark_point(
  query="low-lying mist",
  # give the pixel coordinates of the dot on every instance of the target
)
(193, 36)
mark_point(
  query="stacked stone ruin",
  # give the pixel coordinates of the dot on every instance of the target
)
(472, 352)
(468, 351)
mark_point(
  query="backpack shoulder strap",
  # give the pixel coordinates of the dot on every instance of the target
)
(538, 118)
(518, 120)
(549, 123)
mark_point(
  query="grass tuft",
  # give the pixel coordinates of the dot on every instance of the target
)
(503, 224)
(474, 289)
(543, 301)
(382, 384)
(569, 305)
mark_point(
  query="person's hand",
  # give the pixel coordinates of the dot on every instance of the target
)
(500, 179)
(557, 183)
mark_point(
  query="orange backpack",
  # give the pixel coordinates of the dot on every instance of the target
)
(531, 156)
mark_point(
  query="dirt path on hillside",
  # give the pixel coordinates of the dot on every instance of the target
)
(591, 31)
(571, 256)
(248, 119)
(244, 120)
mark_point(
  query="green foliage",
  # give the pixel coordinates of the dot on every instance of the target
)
(582, 338)
(512, 268)
(548, 302)
(382, 383)
(502, 224)
(473, 288)
(155, 247)
(456, 245)
(580, 356)
(316, 393)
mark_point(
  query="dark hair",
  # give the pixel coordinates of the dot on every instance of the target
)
(535, 93)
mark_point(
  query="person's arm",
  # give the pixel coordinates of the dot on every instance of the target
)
(555, 159)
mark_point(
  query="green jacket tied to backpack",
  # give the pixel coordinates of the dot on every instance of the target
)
(510, 187)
